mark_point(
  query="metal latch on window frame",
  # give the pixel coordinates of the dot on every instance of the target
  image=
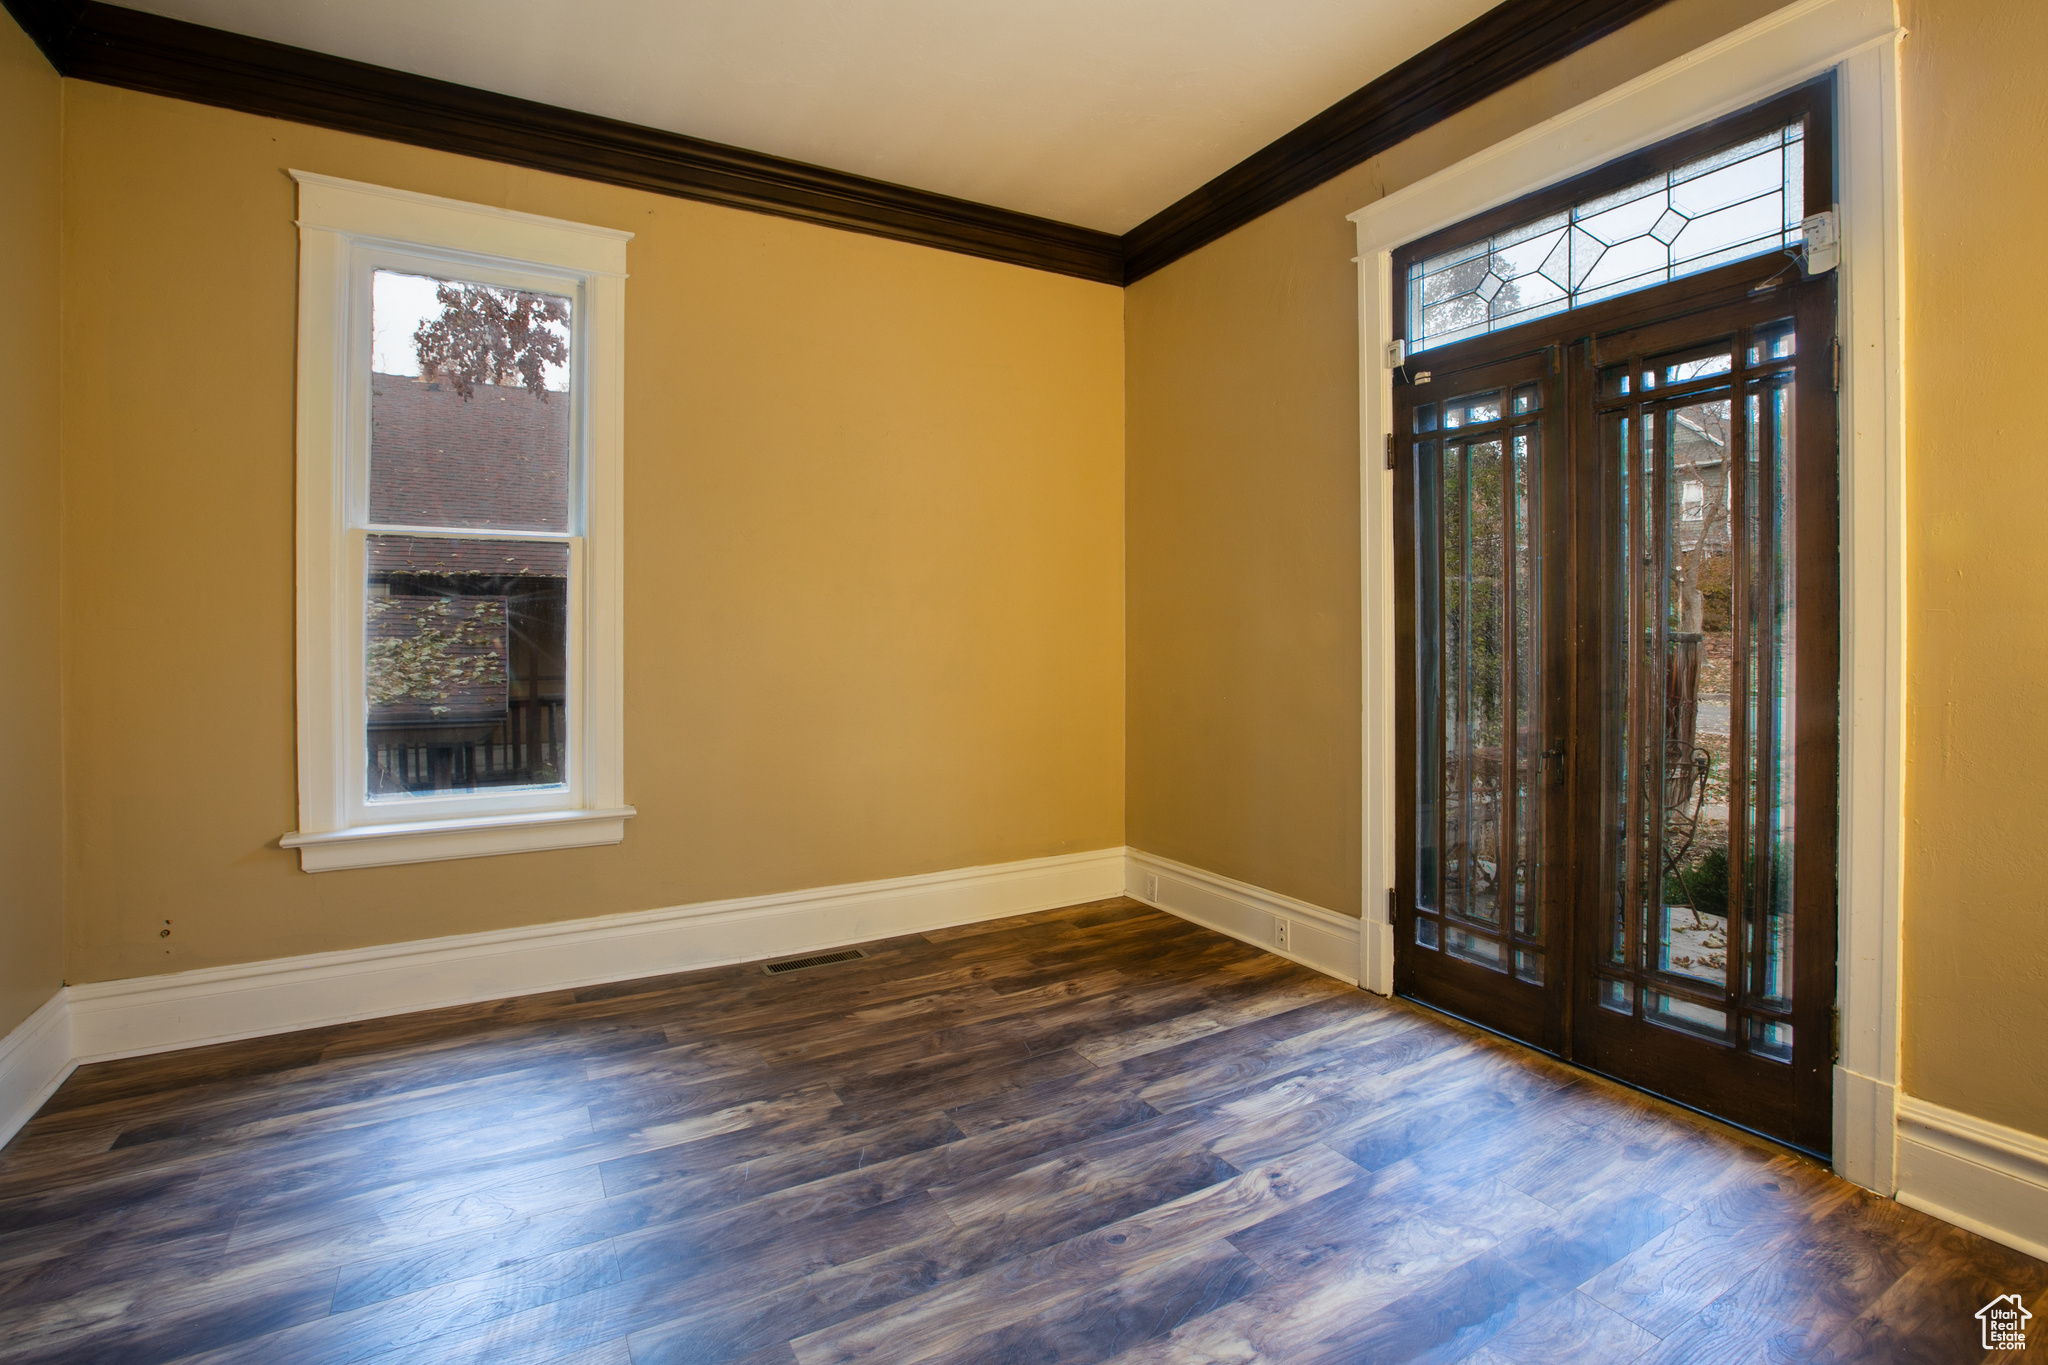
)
(1822, 242)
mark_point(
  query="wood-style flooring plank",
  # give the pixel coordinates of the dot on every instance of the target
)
(934, 1321)
(1095, 1134)
(1569, 1327)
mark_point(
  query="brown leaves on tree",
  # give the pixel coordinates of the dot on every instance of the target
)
(487, 335)
(435, 649)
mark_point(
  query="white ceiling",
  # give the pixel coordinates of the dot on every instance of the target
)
(1097, 112)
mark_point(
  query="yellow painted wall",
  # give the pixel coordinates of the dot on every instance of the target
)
(32, 792)
(1976, 181)
(877, 536)
(1242, 374)
(1243, 532)
(874, 558)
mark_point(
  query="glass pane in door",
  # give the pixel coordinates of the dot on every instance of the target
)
(1691, 904)
(1477, 661)
(1698, 695)
(1770, 681)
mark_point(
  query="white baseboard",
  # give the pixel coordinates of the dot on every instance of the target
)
(1982, 1176)
(34, 1060)
(108, 1019)
(1377, 953)
(1978, 1175)
(1319, 938)
(1866, 1131)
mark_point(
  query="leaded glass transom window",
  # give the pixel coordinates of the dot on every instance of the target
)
(1744, 200)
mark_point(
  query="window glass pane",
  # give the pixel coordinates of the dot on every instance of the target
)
(1773, 341)
(1770, 1039)
(1684, 1015)
(1620, 850)
(1523, 742)
(1691, 915)
(1425, 932)
(1687, 367)
(1452, 635)
(469, 405)
(1429, 661)
(464, 667)
(1769, 681)
(1743, 200)
(1484, 951)
(1472, 411)
(1474, 633)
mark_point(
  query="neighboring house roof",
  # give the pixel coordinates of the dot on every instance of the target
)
(1692, 443)
(497, 460)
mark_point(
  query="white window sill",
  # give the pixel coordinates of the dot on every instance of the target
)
(427, 841)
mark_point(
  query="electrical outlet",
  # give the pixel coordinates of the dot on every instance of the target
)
(1282, 938)
(1151, 886)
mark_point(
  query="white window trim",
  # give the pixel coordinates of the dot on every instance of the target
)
(345, 229)
(1859, 41)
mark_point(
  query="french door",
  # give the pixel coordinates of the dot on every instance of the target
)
(1483, 688)
(1616, 589)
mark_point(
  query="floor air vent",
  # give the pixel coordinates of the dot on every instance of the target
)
(797, 964)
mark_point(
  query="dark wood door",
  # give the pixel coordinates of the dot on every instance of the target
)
(1619, 653)
(1481, 626)
(1707, 718)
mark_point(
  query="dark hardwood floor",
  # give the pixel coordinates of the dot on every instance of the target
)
(1088, 1135)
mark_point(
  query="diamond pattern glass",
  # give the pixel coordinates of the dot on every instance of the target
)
(1744, 200)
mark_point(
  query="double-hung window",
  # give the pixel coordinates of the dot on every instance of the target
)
(459, 446)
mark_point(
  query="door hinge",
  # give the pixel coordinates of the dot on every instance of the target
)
(1835, 364)
(1834, 1034)
(1390, 905)
(1390, 450)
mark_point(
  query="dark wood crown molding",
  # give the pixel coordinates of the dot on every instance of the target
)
(93, 41)
(124, 47)
(1510, 41)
